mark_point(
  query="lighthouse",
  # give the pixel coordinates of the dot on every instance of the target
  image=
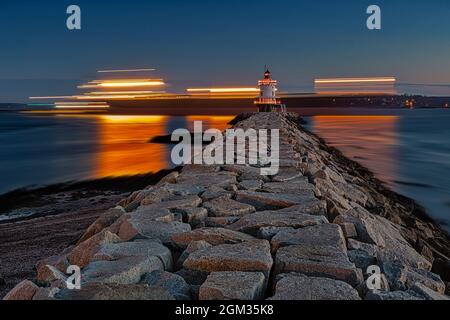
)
(267, 100)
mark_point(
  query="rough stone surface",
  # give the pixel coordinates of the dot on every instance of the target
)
(271, 201)
(246, 256)
(233, 285)
(300, 287)
(213, 236)
(316, 260)
(192, 247)
(143, 248)
(23, 291)
(253, 222)
(109, 291)
(225, 207)
(105, 220)
(174, 284)
(82, 253)
(127, 270)
(327, 234)
(163, 231)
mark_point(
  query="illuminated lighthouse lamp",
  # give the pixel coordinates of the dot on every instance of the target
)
(267, 100)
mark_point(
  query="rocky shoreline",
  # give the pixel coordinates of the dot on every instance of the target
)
(225, 232)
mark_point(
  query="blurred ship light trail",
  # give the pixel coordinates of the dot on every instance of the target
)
(125, 70)
(223, 90)
(355, 80)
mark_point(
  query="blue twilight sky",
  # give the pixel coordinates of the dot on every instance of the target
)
(197, 43)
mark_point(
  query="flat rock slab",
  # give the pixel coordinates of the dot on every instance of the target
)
(326, 234)
(132, 229)
(251, 223)
(226, 207)
(103, 291)
(144, 248)
(214, 236)
(316, 260)
(247, 256)
(123, 271)
(271, 201)
(300, 188)
(300, 287)
(393, 295)
(233, 285)
(315, 206)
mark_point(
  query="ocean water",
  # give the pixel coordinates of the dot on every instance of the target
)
(407, 149)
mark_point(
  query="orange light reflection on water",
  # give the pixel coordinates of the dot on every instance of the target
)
(369, 140)
(124, 147)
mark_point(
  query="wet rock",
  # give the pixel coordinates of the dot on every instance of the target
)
(271, 201)
(225, 207)
(213, 236)
(323, 235)
(105, 220)
(315, 260)
(23, 291)
(246, 256)
(172, 283)
(233, 285)
(253, 222)
(104, 291)
(82, 253)
(300, 287)
(144, 248)
(135, 229)
(127, 270)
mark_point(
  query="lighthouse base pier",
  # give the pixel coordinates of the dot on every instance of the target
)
(279, 107)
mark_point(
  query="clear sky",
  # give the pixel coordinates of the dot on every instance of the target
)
(197, 43)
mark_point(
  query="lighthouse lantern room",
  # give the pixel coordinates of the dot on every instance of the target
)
(267, 100)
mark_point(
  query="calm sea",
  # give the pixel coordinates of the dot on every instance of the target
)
(408, 149)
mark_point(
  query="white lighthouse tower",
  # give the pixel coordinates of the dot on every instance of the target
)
(267, 100)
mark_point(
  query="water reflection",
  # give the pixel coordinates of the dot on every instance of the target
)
(124, 147)
(369, 140)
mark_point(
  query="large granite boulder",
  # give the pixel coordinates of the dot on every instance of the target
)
(251, 223)
(114, 291)
(82, 254)
(317, 260)
(174, 284)
(246, 256)
(25, 290)
(300, 287)
(327, 234)
(233, 285)
(272, 201)
(213, 236)
(225, 207)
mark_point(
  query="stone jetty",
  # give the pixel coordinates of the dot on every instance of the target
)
(222, 232)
